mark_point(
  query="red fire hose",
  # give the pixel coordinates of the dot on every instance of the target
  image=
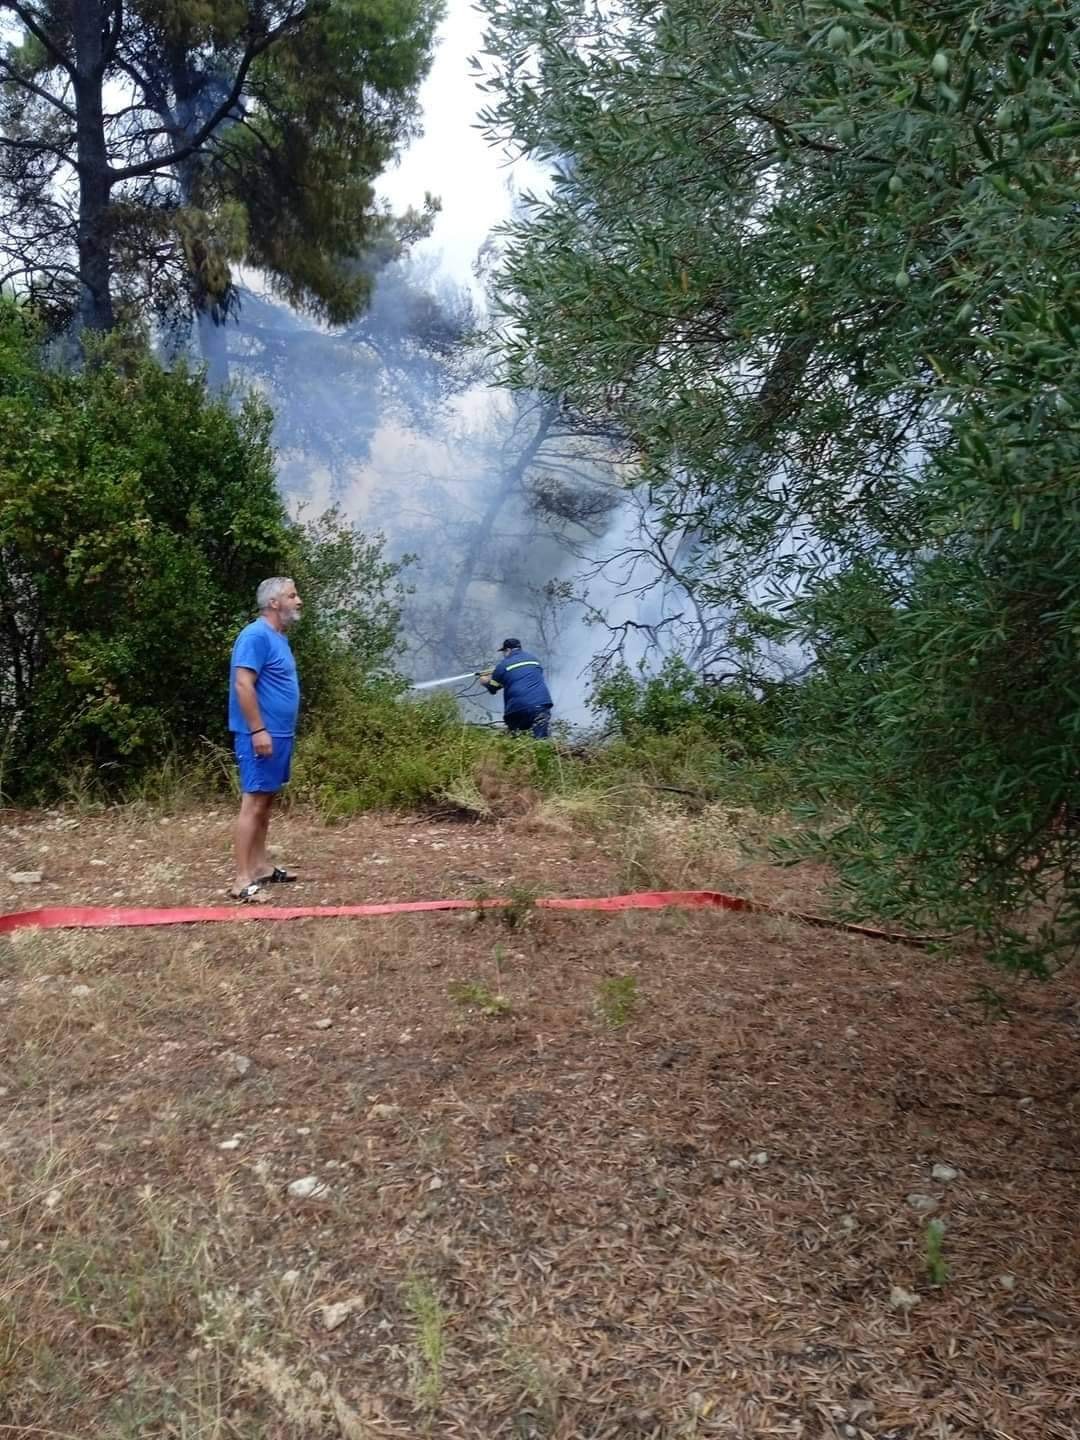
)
(93, 917)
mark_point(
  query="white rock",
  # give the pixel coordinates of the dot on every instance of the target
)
(1007, 1282)
(335, 1315)
(289, 1278)
(944, 1173)
(383, 1112)
(901, 1299)
(736, 1164)
(235, 1065)
(306, 1188)
(229, 1145)
(923, 1203)
(26, 877)
(323, 1024)
(81, 991)
(53, 1198)
(435, 1183)
(849, 1223)
(760, 1157)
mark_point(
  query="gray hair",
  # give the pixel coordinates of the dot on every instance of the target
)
(271, 589)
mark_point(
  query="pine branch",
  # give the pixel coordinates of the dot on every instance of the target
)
(205, 131)
(24, 83)
(27, 18)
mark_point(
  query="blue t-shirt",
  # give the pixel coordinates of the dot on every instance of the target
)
(522, 675)
(261, 648)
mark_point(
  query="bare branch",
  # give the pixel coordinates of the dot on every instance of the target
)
(34, 147)
(152, 92)
(251, 54)
(34, 89)
(27, 18)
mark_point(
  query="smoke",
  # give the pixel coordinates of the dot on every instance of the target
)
(518, 519)
(496, 500)
(514, 516)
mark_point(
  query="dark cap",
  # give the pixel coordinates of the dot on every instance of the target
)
(510, 645)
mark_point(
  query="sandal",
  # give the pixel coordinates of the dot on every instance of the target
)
(277, 876)
(249, 895)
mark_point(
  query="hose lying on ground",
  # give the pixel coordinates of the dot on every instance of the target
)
(92, 917)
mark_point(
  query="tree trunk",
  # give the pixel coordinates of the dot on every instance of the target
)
(92, 164)
(194, 101)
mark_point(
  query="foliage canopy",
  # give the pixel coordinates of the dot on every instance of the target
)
(821, 262)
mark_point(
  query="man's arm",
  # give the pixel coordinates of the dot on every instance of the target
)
(248, 701)
(494, 679)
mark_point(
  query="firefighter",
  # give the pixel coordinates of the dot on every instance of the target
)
(526, 698)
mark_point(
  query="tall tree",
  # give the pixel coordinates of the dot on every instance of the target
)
(821, 262)
(146, 148)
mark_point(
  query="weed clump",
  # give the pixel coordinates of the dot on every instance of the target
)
(429, 1344)
(618, 1000)
(476, 995)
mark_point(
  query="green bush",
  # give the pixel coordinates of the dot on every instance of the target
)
(352, 610)
(137, 516)
(678, 701)
(369, 748)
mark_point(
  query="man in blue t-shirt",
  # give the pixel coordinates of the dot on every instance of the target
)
(264, 700)
(526, 701)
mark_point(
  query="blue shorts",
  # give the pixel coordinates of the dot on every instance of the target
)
(263, 775)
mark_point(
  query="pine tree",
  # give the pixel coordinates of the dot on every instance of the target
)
(145, 149)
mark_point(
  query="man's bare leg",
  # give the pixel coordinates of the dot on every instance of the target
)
(249, 837)
(260, 864)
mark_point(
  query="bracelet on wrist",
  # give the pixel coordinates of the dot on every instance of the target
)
(262, 730)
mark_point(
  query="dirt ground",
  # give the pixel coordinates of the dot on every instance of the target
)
(647, 1175)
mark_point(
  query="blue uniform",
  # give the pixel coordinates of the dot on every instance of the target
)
(526, 698)
(261, 648)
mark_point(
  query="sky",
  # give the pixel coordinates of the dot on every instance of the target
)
(452, 159)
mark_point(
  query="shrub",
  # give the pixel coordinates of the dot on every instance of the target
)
(137, 516)
(368, 748)
(680, 701)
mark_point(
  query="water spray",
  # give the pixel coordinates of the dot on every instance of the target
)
(446, 680)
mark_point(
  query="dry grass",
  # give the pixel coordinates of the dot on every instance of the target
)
(669, 850)
(693, 1223)
(655, 842)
